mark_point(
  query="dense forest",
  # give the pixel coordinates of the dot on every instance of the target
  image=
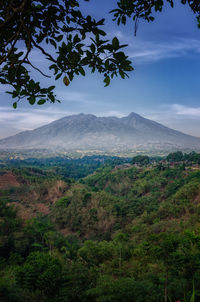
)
(112, 230)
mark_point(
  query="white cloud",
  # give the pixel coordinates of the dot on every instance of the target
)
(119, 35)
(73, 96)
(144, 51)
(13, 121)
(28, 118)
(186, 110)
(153, 50)
(172, 111)
(176, 116)
(112, 113)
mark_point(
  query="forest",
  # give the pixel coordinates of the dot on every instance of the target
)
(124, 230)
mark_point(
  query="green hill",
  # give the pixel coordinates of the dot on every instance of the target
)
(123, 233)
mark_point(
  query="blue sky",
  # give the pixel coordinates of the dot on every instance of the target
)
(164, 85)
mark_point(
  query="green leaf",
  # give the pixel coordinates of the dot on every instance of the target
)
(128, 68)
(107, 81)
(76, 39)
(101, 32)
(53, 43)
(122, 74)
(15, 105)
(70, 76)
(31, 100)
(41, 102)
(107, 64)
(123, 19)
(82, 71)
(52, 98)
(59, 38)
(19, 54)
(51, 88)
(92, 47)
(58, 76)
(151, 18)
(53, 66)
(31, 85)
(115, 43)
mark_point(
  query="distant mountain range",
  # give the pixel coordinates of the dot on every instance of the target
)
(86, 132)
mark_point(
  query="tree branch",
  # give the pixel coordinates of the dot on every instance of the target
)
(13, 45)
(45, 75)
(44, 52)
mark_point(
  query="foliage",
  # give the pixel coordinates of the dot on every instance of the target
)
(140, 159)
(137, 10)
(63, 166)
(189, 158)
(123, 289)
(40, 272)
(70, 42)
(176, 156)
(128, 234)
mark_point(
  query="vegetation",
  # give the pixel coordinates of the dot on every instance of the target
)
(63, 166)
(187, 158)
(120, 234)
(140, 159)
(70, 42)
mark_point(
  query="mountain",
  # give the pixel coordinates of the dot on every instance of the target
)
(86, 132)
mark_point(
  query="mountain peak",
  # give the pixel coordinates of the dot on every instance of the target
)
(84, 115)
(102, 134)
(134, 115)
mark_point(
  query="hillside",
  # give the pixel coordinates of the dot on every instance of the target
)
(86, 133)
(123, 233)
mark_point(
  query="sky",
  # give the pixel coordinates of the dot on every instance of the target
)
(164, 86)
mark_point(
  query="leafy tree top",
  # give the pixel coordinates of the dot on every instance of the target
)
(68, 40)
(140, 159)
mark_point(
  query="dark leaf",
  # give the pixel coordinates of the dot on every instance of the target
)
(115, 43)
(41, 102)
(82, 71)
(15, 105)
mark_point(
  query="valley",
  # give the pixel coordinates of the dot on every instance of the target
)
(100, 228)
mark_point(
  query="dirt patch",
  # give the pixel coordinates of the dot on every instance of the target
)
(55, 191)
(42, 208)
(26, 212)
(8, 180)
(66, 232)
(23, 212)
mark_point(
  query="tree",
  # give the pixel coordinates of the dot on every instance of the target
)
(140, 159)
(59, 25)
(144, 9)
(41, 272)
(176, 156)
(124, 289)
(43, 25)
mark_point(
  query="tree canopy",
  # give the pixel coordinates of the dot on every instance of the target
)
(71, 42)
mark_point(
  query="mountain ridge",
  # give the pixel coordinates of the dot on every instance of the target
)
(89, 132)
